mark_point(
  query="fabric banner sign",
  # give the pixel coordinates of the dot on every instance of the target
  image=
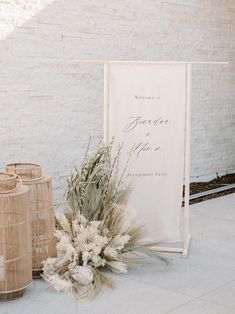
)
(146, 113)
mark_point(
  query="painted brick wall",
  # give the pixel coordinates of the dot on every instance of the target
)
(49, 105)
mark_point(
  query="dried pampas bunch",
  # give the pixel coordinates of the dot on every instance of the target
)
(97, 234)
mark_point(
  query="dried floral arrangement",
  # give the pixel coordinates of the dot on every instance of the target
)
(96, 235)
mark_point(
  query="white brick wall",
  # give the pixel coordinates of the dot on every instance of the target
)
(49, 105)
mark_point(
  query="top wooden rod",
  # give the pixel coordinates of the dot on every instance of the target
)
(157, 62)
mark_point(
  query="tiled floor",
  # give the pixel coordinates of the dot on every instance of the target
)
(204, 283)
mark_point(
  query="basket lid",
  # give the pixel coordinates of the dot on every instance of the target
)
(27, 171)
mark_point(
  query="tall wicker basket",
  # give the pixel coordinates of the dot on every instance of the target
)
(15, 237)
(41, 204)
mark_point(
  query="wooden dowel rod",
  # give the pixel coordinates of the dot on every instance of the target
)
(187, 158)
(157, 62)
(168, 249)
(186, 248)
(106, 104)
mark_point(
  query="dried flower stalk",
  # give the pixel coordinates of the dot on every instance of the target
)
(96, 235)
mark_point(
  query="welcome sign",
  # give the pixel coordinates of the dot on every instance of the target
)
(145, 112)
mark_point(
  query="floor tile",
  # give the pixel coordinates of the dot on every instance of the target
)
(127, 297)
(221, 207)
(202, 307)
(224, 295)
(208, 265)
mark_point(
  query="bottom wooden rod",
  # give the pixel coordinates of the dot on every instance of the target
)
(168, 249)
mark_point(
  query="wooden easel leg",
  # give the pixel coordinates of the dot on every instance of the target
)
(186, 240)
(186, 247)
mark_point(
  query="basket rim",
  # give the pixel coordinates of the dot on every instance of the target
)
(9, 175)
(35, 165)
(28, 167)
(13, 176)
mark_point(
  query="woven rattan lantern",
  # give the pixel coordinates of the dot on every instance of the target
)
(41, 205)
(15, 237)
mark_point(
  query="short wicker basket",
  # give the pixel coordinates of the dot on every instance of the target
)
(15, 237)
(41, 204)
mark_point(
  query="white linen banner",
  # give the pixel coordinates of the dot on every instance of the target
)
(146, 112)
